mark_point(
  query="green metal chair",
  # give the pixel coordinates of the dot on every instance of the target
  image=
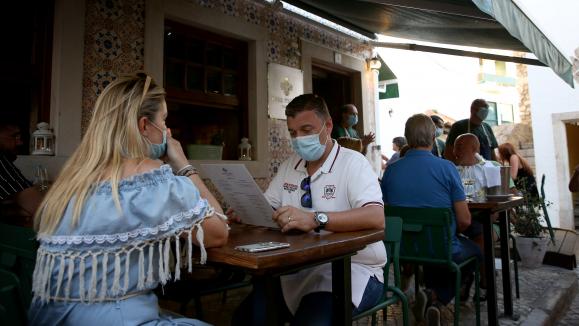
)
(427, 240)
(18, 255)
(13, 310)
(392, 243)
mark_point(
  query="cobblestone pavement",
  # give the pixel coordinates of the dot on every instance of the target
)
(571, 317)
(534, 284)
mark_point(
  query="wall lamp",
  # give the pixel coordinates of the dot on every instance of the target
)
(374, 63)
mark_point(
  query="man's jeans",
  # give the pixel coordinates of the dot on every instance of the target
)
(441, 280)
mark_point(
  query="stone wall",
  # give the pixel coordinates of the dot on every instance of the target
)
(524, 98)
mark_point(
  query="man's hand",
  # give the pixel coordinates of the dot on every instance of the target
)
(367, 139)
(232, 217)
(292, 218)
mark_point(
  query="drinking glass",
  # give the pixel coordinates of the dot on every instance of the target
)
(41, 178)
(468, 181)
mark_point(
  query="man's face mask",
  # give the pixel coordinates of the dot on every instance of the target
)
(157, 151)
(482, 113)
(352, 120)
(437, 132)
(309, 147)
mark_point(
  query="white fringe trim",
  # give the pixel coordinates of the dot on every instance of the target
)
(88, 289)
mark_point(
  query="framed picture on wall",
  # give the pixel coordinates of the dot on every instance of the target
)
(283, 84)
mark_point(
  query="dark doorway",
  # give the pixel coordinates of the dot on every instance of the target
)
(334, 86)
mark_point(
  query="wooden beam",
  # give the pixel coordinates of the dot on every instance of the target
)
(462, 53)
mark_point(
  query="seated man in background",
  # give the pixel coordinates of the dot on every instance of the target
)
(17, 194)
(423, 180)
(466, 153)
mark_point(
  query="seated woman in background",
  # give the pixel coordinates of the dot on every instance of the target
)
(107, 225)
(521, 171)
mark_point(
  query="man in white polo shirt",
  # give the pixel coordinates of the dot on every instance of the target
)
(324, 186)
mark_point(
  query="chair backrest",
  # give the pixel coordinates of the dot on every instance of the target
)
(14, 310)
(545, 212)
(18, 255)
(426, 234)
(393, 235)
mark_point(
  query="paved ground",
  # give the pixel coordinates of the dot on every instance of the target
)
(546, 292)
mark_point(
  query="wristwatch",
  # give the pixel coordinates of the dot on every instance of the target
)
(322, 219)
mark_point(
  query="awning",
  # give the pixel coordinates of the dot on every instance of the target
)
(492, 24)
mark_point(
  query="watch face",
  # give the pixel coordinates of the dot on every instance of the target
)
(322, 218)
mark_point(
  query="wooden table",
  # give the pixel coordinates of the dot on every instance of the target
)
(306, 250)
(486, 209)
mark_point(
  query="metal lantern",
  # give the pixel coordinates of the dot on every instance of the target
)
(244, 150)
(43, 140)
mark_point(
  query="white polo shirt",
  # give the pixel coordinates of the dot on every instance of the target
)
(345, 181)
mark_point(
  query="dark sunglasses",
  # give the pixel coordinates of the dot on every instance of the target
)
(306, 200)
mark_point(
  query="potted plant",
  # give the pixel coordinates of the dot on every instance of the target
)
(531, 237)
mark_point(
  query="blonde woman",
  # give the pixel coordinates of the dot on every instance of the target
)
(111, 219)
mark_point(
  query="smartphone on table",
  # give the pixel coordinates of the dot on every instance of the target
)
(262, 246)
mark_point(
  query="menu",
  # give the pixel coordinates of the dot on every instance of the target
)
(241, 192)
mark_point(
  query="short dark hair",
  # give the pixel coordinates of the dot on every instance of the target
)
(8, 121)
(344, 108)
(478, 103)
(436, 119)
(308, 102)
(399, 141)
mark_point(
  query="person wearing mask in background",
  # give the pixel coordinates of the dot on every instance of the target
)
(439, 145)
(397, 144)
(18, 196)
(348, 119)
(323, 186)
(479, 110)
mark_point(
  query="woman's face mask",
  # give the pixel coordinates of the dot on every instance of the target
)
(352, 120)
(157, 151)
(309, 147)
(482, 113)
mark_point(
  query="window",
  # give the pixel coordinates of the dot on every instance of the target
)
(492, 119)
(507, 113)
(26, 64)
(206, 83)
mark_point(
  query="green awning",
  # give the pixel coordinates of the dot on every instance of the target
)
(522, 28)
(492, 24)
(387, 82)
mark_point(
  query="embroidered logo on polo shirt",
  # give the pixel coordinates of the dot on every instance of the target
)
(329, 191)
(290, 187)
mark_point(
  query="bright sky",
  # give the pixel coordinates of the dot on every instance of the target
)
(558, 19)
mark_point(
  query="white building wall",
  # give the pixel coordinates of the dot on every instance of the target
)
(552, 103)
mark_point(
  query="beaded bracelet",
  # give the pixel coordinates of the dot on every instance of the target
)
(187, 171)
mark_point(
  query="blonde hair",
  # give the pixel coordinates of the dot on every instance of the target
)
(112, 137)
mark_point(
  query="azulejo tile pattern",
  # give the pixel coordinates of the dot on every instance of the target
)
(114, 45)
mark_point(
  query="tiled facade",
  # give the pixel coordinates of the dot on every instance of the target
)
(114, 44)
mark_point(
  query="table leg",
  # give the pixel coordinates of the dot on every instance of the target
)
(342, 292)
(264, 309)
(506, 263)
(489, 255)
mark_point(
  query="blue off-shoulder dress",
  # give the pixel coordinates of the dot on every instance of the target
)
(102, 270)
